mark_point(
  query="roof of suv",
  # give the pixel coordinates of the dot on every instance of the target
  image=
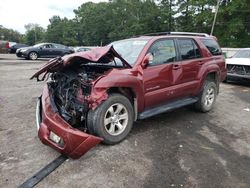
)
(174, 34)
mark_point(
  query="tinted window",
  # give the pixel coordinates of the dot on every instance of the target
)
(212, 46)
(188, 49)
(163, 51)
(59, 46)
(46, 46)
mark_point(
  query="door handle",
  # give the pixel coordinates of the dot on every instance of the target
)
(176, 66)
(201, 63)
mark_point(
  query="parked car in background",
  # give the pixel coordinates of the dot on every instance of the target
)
(43, 50)
(83, 48)
(238, 66)
(16, 46)
(4, 46)
(96, 95)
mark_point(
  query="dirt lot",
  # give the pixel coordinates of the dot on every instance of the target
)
(182, 148)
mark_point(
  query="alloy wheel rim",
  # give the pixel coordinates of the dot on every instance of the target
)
(116, 119)
(33, 56)
(209, 97)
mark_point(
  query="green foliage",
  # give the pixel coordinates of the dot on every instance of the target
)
(10, 35)
(101, 23)
(233, 24)
(34, 34)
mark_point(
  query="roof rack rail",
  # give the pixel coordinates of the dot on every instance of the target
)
(177, 33)
(190, 34)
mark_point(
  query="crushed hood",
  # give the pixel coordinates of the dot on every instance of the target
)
(102, 55)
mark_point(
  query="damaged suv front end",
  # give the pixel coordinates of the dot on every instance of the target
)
(62, 109)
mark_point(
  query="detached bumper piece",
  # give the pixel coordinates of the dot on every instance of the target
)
(55, 132)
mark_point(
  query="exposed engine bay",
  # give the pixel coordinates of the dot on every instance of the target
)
(70, 89)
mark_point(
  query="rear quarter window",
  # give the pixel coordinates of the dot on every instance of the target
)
(212, 46)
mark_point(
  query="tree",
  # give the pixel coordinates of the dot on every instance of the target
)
(101, 23)
(168, 10)
(233, 23)
(34, 34)
(10, 35)
(63, 31)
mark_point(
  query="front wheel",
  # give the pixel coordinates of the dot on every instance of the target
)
(207, 97)
(112, 120)
(33, 55)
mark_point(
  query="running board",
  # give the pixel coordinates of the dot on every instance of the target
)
(167, 107)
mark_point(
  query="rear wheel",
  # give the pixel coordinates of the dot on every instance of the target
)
(112, 120)
(208, 97)
(33, 55)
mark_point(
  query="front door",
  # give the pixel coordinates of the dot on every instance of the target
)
(158, 75)
(45, 50)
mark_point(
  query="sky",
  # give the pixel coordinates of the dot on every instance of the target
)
(14, 14)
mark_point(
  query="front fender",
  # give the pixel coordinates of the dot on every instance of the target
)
(100, 87)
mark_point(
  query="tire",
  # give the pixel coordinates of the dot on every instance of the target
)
(112, 120)
(33, 55)
(207, 97)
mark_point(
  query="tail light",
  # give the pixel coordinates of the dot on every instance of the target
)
(7, 45)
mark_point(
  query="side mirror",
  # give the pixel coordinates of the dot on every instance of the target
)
(41, 48)
(147, 59)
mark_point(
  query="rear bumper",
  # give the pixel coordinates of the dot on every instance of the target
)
(75, 142)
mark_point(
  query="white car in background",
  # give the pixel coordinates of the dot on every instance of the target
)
(238, 66)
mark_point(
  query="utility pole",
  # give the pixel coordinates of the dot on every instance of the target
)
(215, 15)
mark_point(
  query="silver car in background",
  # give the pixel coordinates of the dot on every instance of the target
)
(238, 66)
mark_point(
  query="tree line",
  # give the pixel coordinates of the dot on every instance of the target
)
(100, 23)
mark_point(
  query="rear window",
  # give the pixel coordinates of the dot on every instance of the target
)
(212, 46)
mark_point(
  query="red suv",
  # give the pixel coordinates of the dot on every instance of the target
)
(96, 95)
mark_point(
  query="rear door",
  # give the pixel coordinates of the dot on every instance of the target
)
(190, 61)
(54, 50)
(58, 50)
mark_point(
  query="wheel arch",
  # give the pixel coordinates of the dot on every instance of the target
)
(125, 84)
(211, 76)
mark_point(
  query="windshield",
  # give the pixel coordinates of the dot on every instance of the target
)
(129, 49)
(242, 54)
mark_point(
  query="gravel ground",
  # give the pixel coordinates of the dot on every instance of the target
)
(182, 148)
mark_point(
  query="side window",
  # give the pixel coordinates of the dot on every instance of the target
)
(59, 46)
(46, 46)
(52, 46)
(188, 49)
(163, 51)
(212, 46)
